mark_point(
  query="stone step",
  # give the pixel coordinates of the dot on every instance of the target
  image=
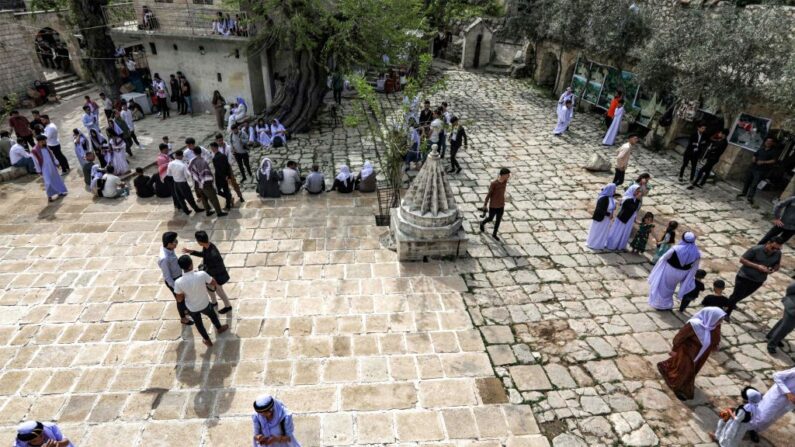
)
(498, 69)
(74, 89)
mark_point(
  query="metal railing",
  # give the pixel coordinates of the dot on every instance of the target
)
(184, 19)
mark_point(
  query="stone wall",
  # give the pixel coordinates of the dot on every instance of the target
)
(20, 66)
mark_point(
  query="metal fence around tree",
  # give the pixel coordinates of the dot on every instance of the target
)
(181, 19)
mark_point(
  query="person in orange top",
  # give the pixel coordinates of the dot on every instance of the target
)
(611, 111)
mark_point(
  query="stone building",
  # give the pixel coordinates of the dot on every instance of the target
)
(180, 36)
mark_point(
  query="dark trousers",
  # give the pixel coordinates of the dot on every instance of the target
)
(222, 185)
(691, 158)
(29, 142)
(686, 300)
(169, 182)
(743, 288)
(242, 160)
(704, 172)
(752, 179)
(494, 213)
(162, 103)
(109, 116)
(777, 231)
(182, 106)
(197, 320)
(442, 145)
(183, 311)
(56, 150)
(453, 162)
(209, 197)
(338, 96)
(784, 326)
(184, 194)
(134, 137)
(618, 179)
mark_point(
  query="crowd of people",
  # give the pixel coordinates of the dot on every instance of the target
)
(429, 127)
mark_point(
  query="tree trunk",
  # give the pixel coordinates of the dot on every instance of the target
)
(99, 50)
(297, 102)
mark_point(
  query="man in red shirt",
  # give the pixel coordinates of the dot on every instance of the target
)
(21, 127)
(495, 201)
(611, 111)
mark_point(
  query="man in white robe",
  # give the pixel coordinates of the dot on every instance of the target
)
(568, 95)
(677, 266)
(778, 401)
(564, 118)
(615, 126)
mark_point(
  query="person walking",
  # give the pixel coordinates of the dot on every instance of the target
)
(214, 265)
(167, 261)
(678, 266)
(615, 125)
(715, 149)
(783, 222)
(226, 149)
(757, 263)
(763, 162)
(191, 288)
(51, 132)
(495, 201)
(239, 143)
(692, 345)
(602, 217)
(178, 171)
(458, 137)
(694, 151)
(46, 165)
(127, 116)
(203, 177)
(614, 104)
(107, 107)
(785, 325)
(223, 172)
(337, 84)
(622, 159)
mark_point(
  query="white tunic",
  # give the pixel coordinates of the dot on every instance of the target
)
(663, 281)
(564, 119)
(774, 403)
(610, 136)
(730, 433)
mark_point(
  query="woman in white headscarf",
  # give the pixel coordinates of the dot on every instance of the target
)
(731, 430)
(602, 215)
(620, 230)
(691, 347)
(278, 134)
(237, 113)
(272, 423)
(344, 181)
(365, 180)
(263, 133)
(268, 180)
(34, 433)
(677, 266)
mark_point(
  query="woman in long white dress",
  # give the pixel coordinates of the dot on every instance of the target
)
(615, 126)
(119, 157)
(602, 216)
(620, 230)
(677, 266)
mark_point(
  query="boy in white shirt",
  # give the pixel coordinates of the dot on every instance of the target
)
(114, 187)
(191, 288)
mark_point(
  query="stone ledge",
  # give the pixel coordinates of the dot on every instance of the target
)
(12, 173)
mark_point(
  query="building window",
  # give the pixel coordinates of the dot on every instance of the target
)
(164, 1)
(152, 48)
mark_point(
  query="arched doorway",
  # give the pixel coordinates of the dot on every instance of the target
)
(548, 70)
(51, 50)
(567, 76)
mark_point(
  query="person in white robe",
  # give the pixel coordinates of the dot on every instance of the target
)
(237, 113)
(273, 423)
(602, 216)
(620, 230)
(564, 118)
(778, 401)
(119, 157)
(615, 126)
(263, 133)
(730, 432)
(677, 266)
(34, 433)
(568, 95)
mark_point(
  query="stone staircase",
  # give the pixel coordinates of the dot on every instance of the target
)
(69, 85)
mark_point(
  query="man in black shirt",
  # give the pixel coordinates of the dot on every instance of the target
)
(426, 116)
(694, 151)
(144, 185)
(715, 149)
(223, 171)
(764, 160)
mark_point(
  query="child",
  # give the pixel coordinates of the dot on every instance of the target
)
(717, 300)
(665, 243)
(213, 264)
(693, 294)
(733, 425)
(642, 236)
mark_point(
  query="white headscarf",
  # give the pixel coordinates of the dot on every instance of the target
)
(704, 322)
(345, 174)
(686, 249)
(608, 191)
(265, 168)
(630, 192)
(754, 397)
(367, 169)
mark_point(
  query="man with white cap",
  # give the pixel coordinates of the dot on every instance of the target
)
(677, 266)
(273, 423)
(34, 433)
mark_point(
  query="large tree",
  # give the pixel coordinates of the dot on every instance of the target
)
(318, 37)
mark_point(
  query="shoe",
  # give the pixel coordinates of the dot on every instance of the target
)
(210, 213)
(753, 436)
(691, 187)
(699, 186)
(771, 349)
(494, 235)
(222, 214)
(482, 227)
(225, 310)
(199, 210)
(458, 171)
(207, 343)
(215, 304)
(223, 329)
(681, 180)
(189, 323)
(241, 200)
(739, 195)
(187, 212)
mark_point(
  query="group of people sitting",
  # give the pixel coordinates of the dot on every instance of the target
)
(288, 181)
(227, 26)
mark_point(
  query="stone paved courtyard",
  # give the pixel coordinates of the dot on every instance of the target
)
(363, 349)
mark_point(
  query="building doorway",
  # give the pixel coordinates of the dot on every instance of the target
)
(51, 50)
(478, 44)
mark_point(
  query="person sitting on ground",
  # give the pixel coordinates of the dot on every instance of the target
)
(144, 185)
(114, 187)
(20, 158)
(291, 180)
(315, 181)
(278, 134)
(268, 180)
(365, 180)
(35, 433)
(344, 181)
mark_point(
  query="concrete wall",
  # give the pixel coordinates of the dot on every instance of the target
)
(505, 52)
(19, 67)
(237, 75)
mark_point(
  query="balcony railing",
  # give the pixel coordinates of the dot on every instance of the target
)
(183, 19)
